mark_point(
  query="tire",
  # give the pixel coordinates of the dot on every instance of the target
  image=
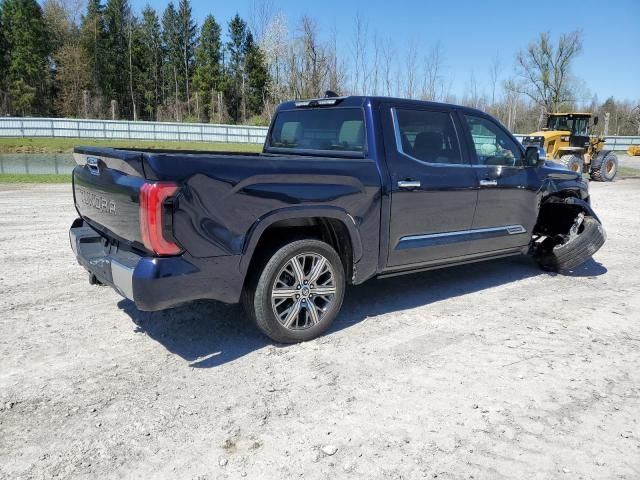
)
(275, 314)
(604, 167)
(573, 162)
(576, 250)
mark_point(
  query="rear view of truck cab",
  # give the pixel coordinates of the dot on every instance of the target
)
(124, 234)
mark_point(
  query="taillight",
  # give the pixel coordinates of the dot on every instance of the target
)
(152, 217)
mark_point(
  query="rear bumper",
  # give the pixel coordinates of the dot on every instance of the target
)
(154, 283)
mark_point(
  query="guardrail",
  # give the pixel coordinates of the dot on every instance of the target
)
(125, 130)
(171, 131)
(612, 143)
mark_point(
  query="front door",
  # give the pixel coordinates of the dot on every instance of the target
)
(507, 197)
(433, 185)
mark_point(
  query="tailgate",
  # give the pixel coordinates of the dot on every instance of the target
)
(106, 191)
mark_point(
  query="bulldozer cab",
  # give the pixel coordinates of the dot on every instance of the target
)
(577, 124)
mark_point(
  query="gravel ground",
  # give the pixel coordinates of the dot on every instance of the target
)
(492, 370)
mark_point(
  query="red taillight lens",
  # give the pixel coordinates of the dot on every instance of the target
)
(152, 198)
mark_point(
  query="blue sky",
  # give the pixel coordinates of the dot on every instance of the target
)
(471, 32)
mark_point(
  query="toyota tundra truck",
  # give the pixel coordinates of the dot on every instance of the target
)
(346, 189)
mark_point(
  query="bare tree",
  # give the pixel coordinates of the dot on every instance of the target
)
(359, 51)
(473, 97)
(411, 58)
(494, 77)
(375, 67)
(337, 71)
(260, 16)
(388, 54)
(275, 46)
(545, 69)
(433, 82)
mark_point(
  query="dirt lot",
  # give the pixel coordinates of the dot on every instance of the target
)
(493, 370)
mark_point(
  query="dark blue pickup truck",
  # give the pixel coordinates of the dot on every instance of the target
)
(346, 189)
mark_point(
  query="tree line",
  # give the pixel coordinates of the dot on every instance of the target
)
(109, 62)
(112, 63)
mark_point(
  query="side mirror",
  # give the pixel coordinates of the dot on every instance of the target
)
(534, 156)
(595, 120)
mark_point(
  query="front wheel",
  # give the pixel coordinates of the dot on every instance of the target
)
(573, 162)
(565, 253)
(604, 167)
(298, 293)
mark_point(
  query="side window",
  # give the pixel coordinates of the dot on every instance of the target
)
(427, 136)
(493, 146)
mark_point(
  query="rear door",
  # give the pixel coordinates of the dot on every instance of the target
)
(433, 185)
(507, 196)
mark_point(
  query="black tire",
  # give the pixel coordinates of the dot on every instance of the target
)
(604, 167)
(577, 250)
(573, 162)
(257, 297)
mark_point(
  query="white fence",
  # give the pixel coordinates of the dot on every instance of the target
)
(123, 130)
(169, 131)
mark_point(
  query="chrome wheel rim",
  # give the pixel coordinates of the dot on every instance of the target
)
(303, 291)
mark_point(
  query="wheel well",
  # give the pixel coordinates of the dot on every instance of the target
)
(329, 230)
(556, 216)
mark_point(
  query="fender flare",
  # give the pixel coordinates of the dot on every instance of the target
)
(573, 201)
(260, 225)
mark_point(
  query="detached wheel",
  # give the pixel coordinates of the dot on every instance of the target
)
(604, 167)
(575, 163)
(584, 239)
(298, 293)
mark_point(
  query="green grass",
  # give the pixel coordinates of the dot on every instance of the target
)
(65, 145)
(43, 178)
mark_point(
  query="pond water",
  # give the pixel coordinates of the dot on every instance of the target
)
(36, 163)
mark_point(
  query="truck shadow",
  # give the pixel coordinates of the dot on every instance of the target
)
(209, 334)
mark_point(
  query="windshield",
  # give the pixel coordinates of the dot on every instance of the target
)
(335, 129)
(575, 125)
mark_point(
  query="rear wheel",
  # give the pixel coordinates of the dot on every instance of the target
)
(604, 167)
(298, 293)
(573, 162)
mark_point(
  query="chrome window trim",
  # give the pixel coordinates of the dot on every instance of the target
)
(396, 131)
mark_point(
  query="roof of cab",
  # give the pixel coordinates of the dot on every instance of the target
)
(359, 101)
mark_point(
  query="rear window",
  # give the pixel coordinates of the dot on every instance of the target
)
(331, 129)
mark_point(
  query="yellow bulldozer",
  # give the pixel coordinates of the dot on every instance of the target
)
(568, 139)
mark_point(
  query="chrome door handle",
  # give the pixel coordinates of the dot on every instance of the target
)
(488, 183)
(409, 184)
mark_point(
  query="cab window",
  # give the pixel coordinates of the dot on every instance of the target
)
(492, 144)
(427, 136)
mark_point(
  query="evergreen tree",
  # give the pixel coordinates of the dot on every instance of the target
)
(187, 40)
(115, 59)
(70, 77)
(92, 40)
(208, 76)
(3, 55)
(27, 51)
(172, 72)
(257, 77)
(236, 46)
(150, 57)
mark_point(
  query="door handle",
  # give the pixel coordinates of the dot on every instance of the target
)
(409, 184)
(488, 183)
